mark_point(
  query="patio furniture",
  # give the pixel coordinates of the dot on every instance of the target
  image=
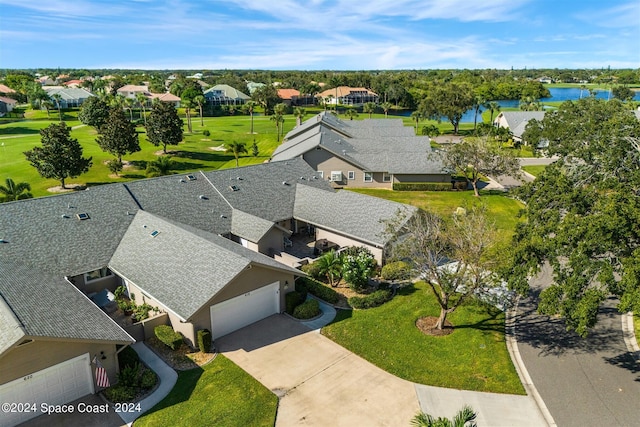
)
(324, 245)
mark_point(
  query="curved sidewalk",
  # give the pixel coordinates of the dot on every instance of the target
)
(166, 375)
(328, 314)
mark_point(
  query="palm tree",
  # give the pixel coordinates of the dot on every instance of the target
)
(188, 105)
(142, 101)
(57, 98)
(48, 105)
(160, 167)
(299, 113)
(493, 107)
(236, 148)
(128, 105)
(351, 113)
(330, 265)
(582, 87)
(278, 119)
(417, 116)
(478, 103)
(13, 191)
(464, 418)
(200, 100)
(386, 106)
(369, 107)
(250, 106)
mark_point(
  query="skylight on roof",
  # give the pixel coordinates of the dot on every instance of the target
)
(191, 177)
(154, 233)
(82, 216)
(234, 187)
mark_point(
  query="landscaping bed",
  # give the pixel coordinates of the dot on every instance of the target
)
(181, 359)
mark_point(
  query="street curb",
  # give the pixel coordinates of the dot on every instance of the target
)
(628, 332)
(521, 369)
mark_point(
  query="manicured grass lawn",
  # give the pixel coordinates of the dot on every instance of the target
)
(535, 170)
(502, 209)
(218, 394)
(636, 326)
(194, 153)
(473, 357)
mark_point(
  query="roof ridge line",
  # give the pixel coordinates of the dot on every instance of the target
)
(216, 188)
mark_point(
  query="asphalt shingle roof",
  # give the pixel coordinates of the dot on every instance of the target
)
(249, 226)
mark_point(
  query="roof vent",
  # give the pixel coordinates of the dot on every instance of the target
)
(302, 178)
(82, 216)
(154, 233)
(234, 187)
(65, 216)
(191, 177)
(223, 216)
(69, 206)
(182, 180)
(285, 183)
(203, 197)
(3, 241)
(239, 178)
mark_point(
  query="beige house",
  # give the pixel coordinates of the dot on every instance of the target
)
(363, 153)
(345, 95)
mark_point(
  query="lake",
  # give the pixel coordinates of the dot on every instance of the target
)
(557, 94)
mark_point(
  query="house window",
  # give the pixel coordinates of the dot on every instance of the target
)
(97, 274)
(321, 173)
(336, 176)
(351, 175)
(368, 176)
(386, 177)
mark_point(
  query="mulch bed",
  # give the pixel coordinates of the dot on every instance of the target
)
(428, 326)
(181, 359)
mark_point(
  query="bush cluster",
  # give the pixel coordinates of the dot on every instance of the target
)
(317, 289)
(398, 270)
(422, 186)
(206, 132)
(168, 336)
(313, 270)
(133, 380)
(204, 340)
(308, 309)
(374, 299)
(294, 299)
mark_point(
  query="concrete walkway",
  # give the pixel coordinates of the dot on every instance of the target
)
(328, 314)
(166, 375)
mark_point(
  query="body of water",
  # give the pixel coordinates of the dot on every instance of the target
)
(557, 94)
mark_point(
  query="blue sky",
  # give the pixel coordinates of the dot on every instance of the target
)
(319, 34)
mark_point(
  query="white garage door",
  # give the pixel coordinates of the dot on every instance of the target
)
(244, 310)
(57, 385)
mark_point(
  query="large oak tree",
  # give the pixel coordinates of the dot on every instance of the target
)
(164, 127)
(119, 136)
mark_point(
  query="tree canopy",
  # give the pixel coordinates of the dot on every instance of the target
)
(14, 191)
(60, 156)
(450, 100)
(119, 136)
(267, 96)
(583, 213)
(164, 127)
(94, 112)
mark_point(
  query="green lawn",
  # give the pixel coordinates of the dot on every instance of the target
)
(194, 153)
(636, 326)
(218, 394)
(473, 357)
(535, 170)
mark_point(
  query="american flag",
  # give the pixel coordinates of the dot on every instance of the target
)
(102, 380)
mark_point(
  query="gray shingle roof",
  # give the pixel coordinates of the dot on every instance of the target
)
(12, 330)
(48, 306)
(249, 226)
(228, 92)
(348, 213)
(517, 120)
(182, 267)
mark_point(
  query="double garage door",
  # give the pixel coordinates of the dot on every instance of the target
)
(244, 310)
(56, 385)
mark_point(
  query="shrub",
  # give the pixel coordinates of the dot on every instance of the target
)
(313, 270)
(292, 300)
(141, 312)
(308, 309)
(422, 186)
(125, 305)
(128, 375)
(206, 132)
(168, 336)
(461, 185)
(398, 270)
(148, 379)
(204, 340)
(374, 299)
(128, 357)
(358, 264)
(317, 289)
(120, 393)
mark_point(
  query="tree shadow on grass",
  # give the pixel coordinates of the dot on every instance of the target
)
(139, 164)
(204, 156)
(488, 323)
(18, 130)
(181, 392)
(133, 176)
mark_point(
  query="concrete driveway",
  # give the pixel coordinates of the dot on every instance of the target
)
(110, 419)
(319, 382)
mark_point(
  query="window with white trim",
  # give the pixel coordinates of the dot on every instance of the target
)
(351, 175)
(321, 173)
(336, 176)
(97, 274)
(368, 177)
(386, 177)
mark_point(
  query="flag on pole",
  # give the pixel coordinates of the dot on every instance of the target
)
(102, 380)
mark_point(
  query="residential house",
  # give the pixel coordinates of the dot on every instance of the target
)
(132, 91)
(69, 97)
(373, 153)
(7, 104)
(345, 95)
(516, 121)
(202, 248)
(225, 95)
(167, 97)
(6, 90)
(252, 86)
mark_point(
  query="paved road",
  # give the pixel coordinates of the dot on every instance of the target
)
(584, 382)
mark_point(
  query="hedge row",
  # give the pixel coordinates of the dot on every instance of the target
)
(374, 299)
(398, 270)
(422, 186)
(306, 284)
(308, 309)
(204, 340)
(294, 299)
(168, 336)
